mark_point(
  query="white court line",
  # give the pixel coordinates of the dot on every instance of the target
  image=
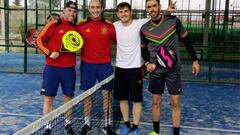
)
(142, 123)
(19, 114)
(198, 128)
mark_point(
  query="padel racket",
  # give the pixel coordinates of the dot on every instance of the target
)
(72, 41)
(31, 36)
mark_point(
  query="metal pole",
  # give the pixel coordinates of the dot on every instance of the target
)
(206, 23)
(50, 7)
(3, 20)
(84, 9)
(188, 20)
(6, 14)
(25, 30)
(206, 31)
(225, 22)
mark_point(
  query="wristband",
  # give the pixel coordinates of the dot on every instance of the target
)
(146, 63)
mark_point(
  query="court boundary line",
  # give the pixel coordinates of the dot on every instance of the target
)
(197, 128)
(21, 114)
(142, 123)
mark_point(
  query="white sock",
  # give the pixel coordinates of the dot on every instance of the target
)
(87, 120)
(67, 122)
(107, 122)
(48, 126)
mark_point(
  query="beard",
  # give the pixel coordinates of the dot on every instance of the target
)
(155, 14)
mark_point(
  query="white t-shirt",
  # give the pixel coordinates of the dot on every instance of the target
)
(129, 44)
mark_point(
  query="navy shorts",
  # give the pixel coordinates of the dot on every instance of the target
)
(128, 84)
(53, 76)
(172, 79)
(90, 73)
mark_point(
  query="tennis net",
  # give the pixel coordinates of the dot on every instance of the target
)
(73, 111)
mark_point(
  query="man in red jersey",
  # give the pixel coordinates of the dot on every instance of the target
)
(60, 67)
(96, 58)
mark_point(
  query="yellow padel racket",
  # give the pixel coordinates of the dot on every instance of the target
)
(72, 41)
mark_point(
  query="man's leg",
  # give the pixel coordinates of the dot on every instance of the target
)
(174, 87)
(156, 111)
(176, 113)
(107, 106)
(68, 114)
(87, 102)
(68, 117)
(48, 104)
(87, 80)
(87, 110)
(137, 111)
(124, 106)
(104, 71)
(48, 107)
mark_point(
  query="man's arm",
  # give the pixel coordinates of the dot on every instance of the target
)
(150, 67)
(43, 36)
(188, 44)
(146, 54)
(171, 8)
(183, 34)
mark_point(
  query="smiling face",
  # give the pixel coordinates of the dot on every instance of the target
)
(153, 8)
(124, 14)
(70, 13)
(95, 9)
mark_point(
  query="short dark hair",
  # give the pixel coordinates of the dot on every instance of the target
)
(156, 0)
(69, 3)
(124, 4)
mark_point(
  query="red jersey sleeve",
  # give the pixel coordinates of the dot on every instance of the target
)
(44, 35)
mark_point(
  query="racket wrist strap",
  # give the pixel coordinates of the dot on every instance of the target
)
(49, 53)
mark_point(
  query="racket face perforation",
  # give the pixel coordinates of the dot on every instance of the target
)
(72, 41)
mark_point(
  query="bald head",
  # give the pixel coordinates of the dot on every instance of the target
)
(95, 9)
(95, 2)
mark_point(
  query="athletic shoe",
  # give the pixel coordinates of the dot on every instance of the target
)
(136, 132)
(85, 129)
(153, 133)
(108, 130)
(124, 130)
(47, 132)
(68, 129)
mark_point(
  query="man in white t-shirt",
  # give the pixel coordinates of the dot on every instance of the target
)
(128, 74)
(128, 71)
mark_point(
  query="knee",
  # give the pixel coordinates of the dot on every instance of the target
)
(175, 104)
(156, 103)
(124, 102)
(48, 99)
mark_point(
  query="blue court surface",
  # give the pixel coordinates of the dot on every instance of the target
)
(207, 108)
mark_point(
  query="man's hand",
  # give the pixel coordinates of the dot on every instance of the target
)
(172, 7)
(150, 67)
(195, 67)
(54, 55)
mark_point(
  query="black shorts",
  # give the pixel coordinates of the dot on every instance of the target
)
(128, 84)
(172, 79)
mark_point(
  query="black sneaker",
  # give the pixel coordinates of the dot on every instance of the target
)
(85, 129)
(108, 130)
(47, 132)
(68, 129)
